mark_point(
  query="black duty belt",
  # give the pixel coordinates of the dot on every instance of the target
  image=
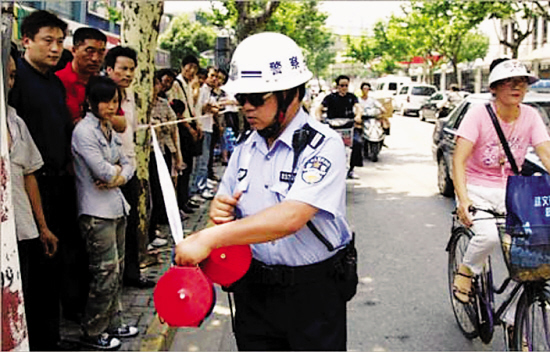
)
(290, 275)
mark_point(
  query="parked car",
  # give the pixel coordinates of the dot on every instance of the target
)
(412, 96)
(444, 136)
(439, 105)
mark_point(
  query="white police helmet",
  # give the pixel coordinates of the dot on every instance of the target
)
(508, 69)
(266, 62)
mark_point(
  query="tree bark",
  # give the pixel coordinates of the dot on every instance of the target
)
(140, 30)
(248, 24)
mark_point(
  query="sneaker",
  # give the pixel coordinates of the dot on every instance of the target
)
(124, 331)
(159, 242)
(103, 342)
(210, 184)
(352, 176)
(187, 209)
(214, 178)
(197, 199)
(207, 194)
(141, 282)
(193, 205)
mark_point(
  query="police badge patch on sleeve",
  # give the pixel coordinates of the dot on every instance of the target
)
(315, 169)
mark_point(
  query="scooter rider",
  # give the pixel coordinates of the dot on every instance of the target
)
(289, 299)
(368, 103)
(344, 105)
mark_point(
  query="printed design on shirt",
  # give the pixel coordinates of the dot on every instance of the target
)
(315, 169)
(241, 174)
(287, 177)
(493, 152)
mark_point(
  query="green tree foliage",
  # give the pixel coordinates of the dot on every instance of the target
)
(184, 37)
(301, 21)
(519, 17)
(475, 45)
(429, 29)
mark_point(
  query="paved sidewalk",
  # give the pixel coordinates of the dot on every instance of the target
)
(138, 306)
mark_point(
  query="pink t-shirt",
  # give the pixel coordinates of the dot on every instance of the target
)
(484, 167)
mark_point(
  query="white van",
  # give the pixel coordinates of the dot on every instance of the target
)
(388, 86)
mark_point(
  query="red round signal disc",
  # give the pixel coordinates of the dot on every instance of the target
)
(184, 296)
(226, 265)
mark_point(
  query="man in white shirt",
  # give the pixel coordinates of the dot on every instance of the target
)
(207, 107)
(120, 63)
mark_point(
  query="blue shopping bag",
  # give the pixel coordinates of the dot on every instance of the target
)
(528, 227)
(528, 200)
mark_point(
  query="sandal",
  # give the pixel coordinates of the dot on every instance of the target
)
(460, 291)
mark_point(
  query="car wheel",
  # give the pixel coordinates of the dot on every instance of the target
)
(444, 182)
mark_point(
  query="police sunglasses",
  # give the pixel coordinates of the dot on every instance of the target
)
(255, 99)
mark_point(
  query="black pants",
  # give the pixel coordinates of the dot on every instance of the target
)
(309, 316)
(131, 258)
(215, 140)
(65, 276)
(40, 280)
(158, 211)
(187, 150)
(356, 158)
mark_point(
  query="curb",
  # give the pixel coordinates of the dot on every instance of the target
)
(159, 336)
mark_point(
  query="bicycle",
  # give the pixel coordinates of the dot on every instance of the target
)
(478, 317)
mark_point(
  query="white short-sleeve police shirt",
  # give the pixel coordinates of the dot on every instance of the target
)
(266, 178)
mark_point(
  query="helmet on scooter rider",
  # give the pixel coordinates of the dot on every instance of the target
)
(510, 68)
(266, 62)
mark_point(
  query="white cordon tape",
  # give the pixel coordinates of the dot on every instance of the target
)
(168, 192)
(143, 126)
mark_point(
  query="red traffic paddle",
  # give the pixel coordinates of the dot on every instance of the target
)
(226, 265)
(184, 296)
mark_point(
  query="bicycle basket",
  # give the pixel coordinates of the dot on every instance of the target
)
(526, 251)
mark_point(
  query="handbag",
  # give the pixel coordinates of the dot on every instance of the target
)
(525, 235)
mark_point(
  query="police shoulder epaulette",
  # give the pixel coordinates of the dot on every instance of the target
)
(244, 136)
(315, 138)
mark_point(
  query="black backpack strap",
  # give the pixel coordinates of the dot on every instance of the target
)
(300, 140)
(503, 140)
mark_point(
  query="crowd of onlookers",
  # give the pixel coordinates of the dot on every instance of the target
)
(72, 122)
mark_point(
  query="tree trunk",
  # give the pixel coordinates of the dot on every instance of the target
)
(140, 30)
(248, 24)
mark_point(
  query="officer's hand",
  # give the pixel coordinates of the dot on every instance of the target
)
(192, 250)
(222, 208)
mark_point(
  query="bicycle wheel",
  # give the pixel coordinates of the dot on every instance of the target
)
(532, 320)
(465, 314)
(484, 286)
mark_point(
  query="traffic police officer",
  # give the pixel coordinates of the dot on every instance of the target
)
(284, 193)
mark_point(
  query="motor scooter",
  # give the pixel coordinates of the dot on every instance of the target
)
(373, 134)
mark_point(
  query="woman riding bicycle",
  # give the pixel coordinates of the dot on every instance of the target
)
(480, 165)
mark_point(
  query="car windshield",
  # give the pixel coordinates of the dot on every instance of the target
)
(422, 91)
(544, 110)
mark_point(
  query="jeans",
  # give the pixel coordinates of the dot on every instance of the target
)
(201, 171)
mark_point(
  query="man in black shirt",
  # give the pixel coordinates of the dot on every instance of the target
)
(39, 99)
(344, 105)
